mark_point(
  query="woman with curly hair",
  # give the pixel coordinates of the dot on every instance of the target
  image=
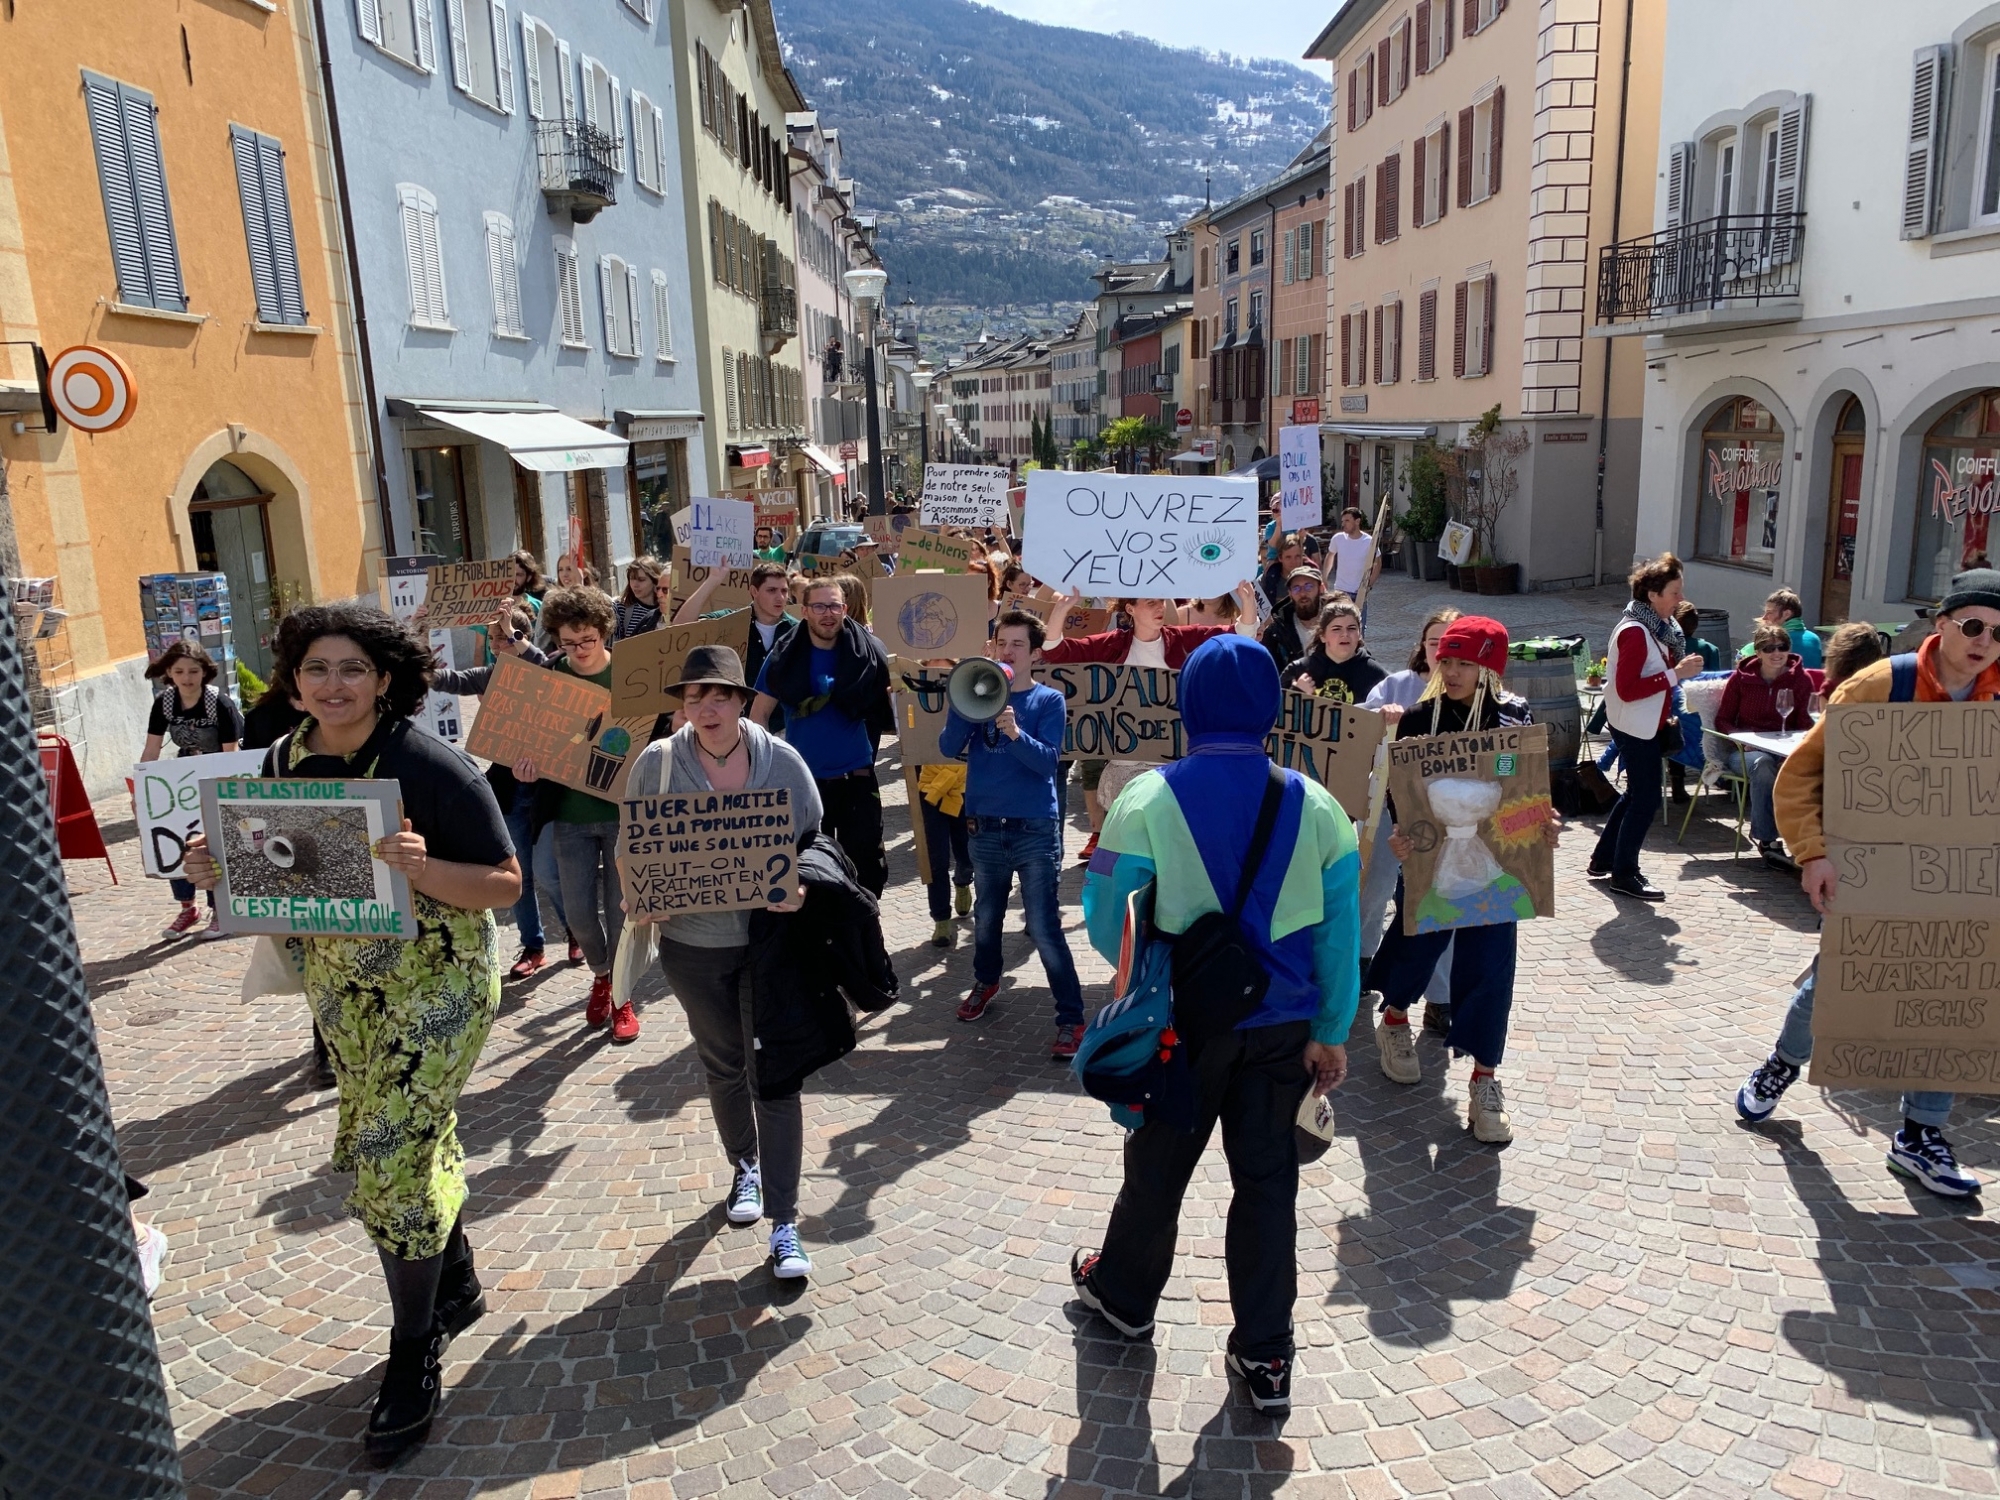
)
(404, 1020)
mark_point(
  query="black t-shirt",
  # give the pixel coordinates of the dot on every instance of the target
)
(444, 796)
(201, 730)
(1347, 681)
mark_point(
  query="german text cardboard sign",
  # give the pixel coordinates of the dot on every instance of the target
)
(706, 851)
(922, 547)
(963, 495)
(1908, 992)
(562, 723)
(644, 666)
(1473, 807)
(1140, 536)
(918, 615)
(467, 593)
(166, 802)
(297, 857)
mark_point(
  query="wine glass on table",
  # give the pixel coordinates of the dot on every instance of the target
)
(1785, 704)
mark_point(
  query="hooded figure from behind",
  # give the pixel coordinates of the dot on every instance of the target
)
(1186, 831)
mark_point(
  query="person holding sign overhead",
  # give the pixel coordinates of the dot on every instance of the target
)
(770, 597)
(404, 1020)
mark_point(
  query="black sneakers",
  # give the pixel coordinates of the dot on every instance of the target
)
(1082, 1273)
(1269, 1381)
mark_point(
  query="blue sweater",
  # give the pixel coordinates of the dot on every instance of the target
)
(1011, 778)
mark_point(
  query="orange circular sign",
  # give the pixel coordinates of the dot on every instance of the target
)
(91, 389)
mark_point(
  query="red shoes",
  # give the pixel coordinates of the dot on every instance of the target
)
(1068, 1039)
(530, 963)
(1089, 848)
(973, 1006)
(598, 1011)
(625, 1024)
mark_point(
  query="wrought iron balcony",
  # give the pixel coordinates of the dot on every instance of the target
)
(778, 311)
(579, 166)
(1737, 268)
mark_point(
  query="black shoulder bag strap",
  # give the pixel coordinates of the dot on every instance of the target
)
(1260, 840)
(1218, 979)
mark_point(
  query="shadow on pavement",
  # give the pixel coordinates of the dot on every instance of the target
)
(255, 1104)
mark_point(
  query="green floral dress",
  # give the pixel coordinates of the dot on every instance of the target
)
(404, 1024)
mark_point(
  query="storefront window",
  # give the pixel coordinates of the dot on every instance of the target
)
(1742, 478)
(659, 489)
(1956, 495)
(445, 487)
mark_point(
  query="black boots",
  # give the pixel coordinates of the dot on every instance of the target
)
(411, 1390)
(461, 1301)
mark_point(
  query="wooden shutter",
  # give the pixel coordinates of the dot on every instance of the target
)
(531, 65)
(1291, 257)
(1443, 204)
(1458, 296)
(1378, 342)
(1361, 348)
(1403, 65)
(368, 16)
(284, 244)
(1471, 17)
(1282, 349)
(1680, 182)
(426, 37)
(433, 237)
(1427, 332)
(1417, 165)
(1423, 36)
(1923, 152)
(510, 268)
(1440, 30)
(658, 124)
(1493, 150)
(614, 335)
(1399, 340)
(1794, 122)
(461, 43)
(1464, 158)
(149, 189)
(729, 399)
(503, 56)
(1346, 351)
(1392, 178)
(1382, 79)
(715, 240)
(615, 128)
(1316, 364)
(566, 81)
(1353, 96)
(663, 321)
(1347, 222)
(496, 272)
(1367, 90)
(102, 103)
(1490, 305)
(1381, 198)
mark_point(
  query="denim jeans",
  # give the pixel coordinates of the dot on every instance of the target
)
(1762, 770)
(548, 882)
(1795, 1046)
(184, 891)
(1031, 848)
(1482, 980)
(527, 911)
(1625, 830)
(1377, 886)
(945, 837)
(587, 867)
(1252, 1081)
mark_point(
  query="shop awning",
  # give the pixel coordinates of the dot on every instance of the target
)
(748, 456)
(825, 462)
(545, 441)
(1388, 432)
(1191, 457)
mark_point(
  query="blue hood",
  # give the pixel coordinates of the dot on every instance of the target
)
(1229, 693)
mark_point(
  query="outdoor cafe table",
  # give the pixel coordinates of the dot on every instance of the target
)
(1768, 741)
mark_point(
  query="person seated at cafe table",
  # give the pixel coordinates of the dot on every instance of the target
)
(1768, 693)
(1783, 608)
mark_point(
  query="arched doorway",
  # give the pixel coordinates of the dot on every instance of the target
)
(1957, 494)
(230, 518)
(1843, 512)
(1740, 485)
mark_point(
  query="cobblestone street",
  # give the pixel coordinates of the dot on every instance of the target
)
(1641, 1297)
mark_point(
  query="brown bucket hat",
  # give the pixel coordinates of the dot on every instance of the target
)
(712, 666)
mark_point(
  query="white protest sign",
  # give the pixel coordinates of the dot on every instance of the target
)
(166, 802)
(409, 585)
(721, 533)
(963, 495)
(681, 520)
(1299, 504)
(1140, 536)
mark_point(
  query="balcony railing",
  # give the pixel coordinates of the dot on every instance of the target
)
(1742, 261)
(579, 166)
(778, 310)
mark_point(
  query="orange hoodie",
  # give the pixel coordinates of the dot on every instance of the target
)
(1796, 798)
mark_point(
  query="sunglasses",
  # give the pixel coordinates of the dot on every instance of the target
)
(1774, 650)
(1972, 629)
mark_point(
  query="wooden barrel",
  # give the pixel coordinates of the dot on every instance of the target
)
(1549, 685)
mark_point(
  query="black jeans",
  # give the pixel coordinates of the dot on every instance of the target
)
(1252, 1080)
(851, 813)
(1625, 830)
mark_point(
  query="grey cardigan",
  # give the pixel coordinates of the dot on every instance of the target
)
(674, 765)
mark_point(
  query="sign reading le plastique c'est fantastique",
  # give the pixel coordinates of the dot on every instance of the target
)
(1140, 536)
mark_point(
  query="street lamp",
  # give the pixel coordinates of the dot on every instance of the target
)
(866, 284)
(921, 378)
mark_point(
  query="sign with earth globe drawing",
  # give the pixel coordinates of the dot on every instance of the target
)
(920, 615)
(927, 620)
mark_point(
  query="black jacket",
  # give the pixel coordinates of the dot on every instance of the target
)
(806, 966)
(860, 672)
(1281, 636)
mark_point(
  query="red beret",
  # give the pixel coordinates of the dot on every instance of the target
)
(1476, 639)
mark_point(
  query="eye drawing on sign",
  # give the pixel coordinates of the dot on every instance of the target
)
(927, 621)
(1468, 887)
(1209, 549)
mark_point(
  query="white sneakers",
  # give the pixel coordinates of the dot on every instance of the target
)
(1398, 1051)
(1487, 1113)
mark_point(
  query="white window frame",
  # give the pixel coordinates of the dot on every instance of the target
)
(503, 274)
(1482, 151)
(545, 60)
(1727, 159)
(618, 294)
(1392, 339)
(1430, 192)
(643, 9)
(1479, 325)
(1767, 168)
(603, 106)
(663, 318)
(570, 330)
(423, 254)
(1987, 163)
(1257, 309)
(403, 29)
(482, 59)
(1399, 59)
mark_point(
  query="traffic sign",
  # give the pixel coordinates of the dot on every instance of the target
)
(91, 388)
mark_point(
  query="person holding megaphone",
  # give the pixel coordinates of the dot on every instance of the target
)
(1009, 728)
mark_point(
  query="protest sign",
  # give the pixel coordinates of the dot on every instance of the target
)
(297, 857)
(1909, 956)
(963, 495)
(1017, 510)
(1455, 544)
(467, 593)
(1335, 744)
(777, 508)
(1299, 504)
(917, 615)
(887, 529)
(921, 547)
(644, 666)
(720, 533)
(166, 802)
(1473, 807)
(732, 593)
(705, 851)
(1140, 536)
(680, 522)
(1081, 620)
(562, 723)
(409, 587)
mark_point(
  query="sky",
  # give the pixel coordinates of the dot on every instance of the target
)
(1261, 28)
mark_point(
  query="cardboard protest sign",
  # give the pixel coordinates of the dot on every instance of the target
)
(1299, 503)
(776, 508)
(706, 851)
(1017, 510)
(888, 530)
(721, 532)
(1335, 744)
(644, 666)
(1455, 543)
(917, 615)
(732, 593)
(409, 587)
(1909, 957)
(297, 857)
(1080, 621)
(1473, 807)
(921, 547)
(166, 802)
(562, 723)
(1140, 536)
(467, 593)
(963, 495)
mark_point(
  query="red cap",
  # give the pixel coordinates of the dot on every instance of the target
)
(1476, 639)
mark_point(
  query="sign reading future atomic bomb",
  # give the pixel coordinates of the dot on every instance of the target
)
(1474, 807)
(1140, 536)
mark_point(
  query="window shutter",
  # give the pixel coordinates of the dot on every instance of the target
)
(1346, 351)
(256, 223)
(433, 236)
(591, 72)
(1423, 36)
(1382, 70)
(1493, 155)
(1283, 363)
(1923, 152)
(1392, 171)
(1381, 198)
(635, 341)
(658, 124)
(278, 216)
(1417, 167)
(1471, 17)
(566, 80)
(663, 325)
(1490, 310)
(503, 56)
(615, 126)
(1403, 63)
(1441, 30)
(149, 184)
(426, 37)
(1794, 124)
(1397, 372)
(1680, 179)
(1347, 222)
(1361, 348)
(1291, 257)
(115, 182)
(1316, 365)
(531, 63)
(496, 272)
(1427, 331)
(1378, 342)
(729, 391)
(368, 17)
(715, 240)
(461, 44)
(411, 214)
(1353, 94)
(1458, 295)
(1367, 90)
(1464, 158)
(614, 337)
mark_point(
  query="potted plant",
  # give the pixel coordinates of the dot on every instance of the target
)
(1593, 675)
(1423, 520)
(1490, 456)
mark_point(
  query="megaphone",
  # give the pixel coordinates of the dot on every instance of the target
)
(977, 689)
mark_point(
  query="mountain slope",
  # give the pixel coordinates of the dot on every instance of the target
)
(1005, 158)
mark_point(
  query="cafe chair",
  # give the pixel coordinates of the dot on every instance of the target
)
(1716, 773)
